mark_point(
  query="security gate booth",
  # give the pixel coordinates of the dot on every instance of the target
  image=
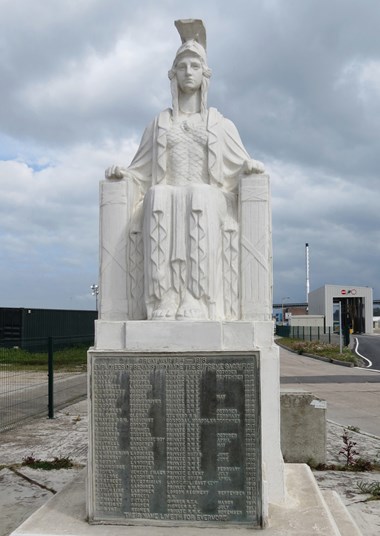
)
(356, 307)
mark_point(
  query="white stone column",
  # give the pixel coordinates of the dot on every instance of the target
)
(256, 248)
(113, 303)
(270, 420)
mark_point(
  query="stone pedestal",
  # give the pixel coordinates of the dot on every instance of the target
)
(182, 436)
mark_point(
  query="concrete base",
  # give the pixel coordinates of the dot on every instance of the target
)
(157, 336)
(305, 511)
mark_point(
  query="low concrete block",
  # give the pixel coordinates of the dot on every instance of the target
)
(303, 427)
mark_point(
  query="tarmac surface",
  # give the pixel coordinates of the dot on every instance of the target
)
(352, 393)
(350, 402)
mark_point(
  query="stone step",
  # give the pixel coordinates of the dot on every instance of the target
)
(342, 516)
(306, 511)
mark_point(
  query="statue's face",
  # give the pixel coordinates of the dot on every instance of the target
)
(189, 73)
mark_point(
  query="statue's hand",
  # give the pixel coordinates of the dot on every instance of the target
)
(253, 166)
(116, 172)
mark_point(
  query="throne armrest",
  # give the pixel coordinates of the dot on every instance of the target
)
(117, 200)
(255, 247)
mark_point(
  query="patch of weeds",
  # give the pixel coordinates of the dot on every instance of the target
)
(324, 466)
(353, 429)
(376, 461)
(362, 465)
(46, 465)
(348, 450)
(370, 488)
(353, 461)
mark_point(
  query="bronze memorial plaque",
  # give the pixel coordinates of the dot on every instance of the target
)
(176, 439)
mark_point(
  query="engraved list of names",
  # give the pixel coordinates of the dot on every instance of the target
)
(176, 438)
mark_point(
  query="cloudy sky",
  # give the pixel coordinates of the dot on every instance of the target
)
(80, 79)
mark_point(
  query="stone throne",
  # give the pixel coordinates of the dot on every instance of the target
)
(184, 373)
(247, 254)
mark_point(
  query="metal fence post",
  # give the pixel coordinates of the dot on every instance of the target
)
(50, 379)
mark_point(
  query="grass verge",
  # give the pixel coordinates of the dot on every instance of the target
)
(73, 359)
(318, 348)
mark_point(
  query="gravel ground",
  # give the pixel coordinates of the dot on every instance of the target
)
(23, 490)
(365, 512)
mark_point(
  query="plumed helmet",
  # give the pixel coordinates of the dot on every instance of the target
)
(193, 37)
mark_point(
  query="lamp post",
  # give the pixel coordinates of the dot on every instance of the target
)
(282, 307)
(95, 292)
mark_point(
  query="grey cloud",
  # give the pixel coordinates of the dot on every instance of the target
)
(287, 74)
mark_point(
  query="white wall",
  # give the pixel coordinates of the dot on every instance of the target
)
(321, 302)
(307, 320)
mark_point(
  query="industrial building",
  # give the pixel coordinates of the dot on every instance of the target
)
(21, 326)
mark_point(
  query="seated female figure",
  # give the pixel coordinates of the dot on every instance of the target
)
(187, 169)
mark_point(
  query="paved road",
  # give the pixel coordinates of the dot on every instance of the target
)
(368, 346)
(352, 394)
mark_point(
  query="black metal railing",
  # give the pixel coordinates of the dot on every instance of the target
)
(308, 333)
(41, 376)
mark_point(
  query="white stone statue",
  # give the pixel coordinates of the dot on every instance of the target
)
(183, 245)
(185, 234)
